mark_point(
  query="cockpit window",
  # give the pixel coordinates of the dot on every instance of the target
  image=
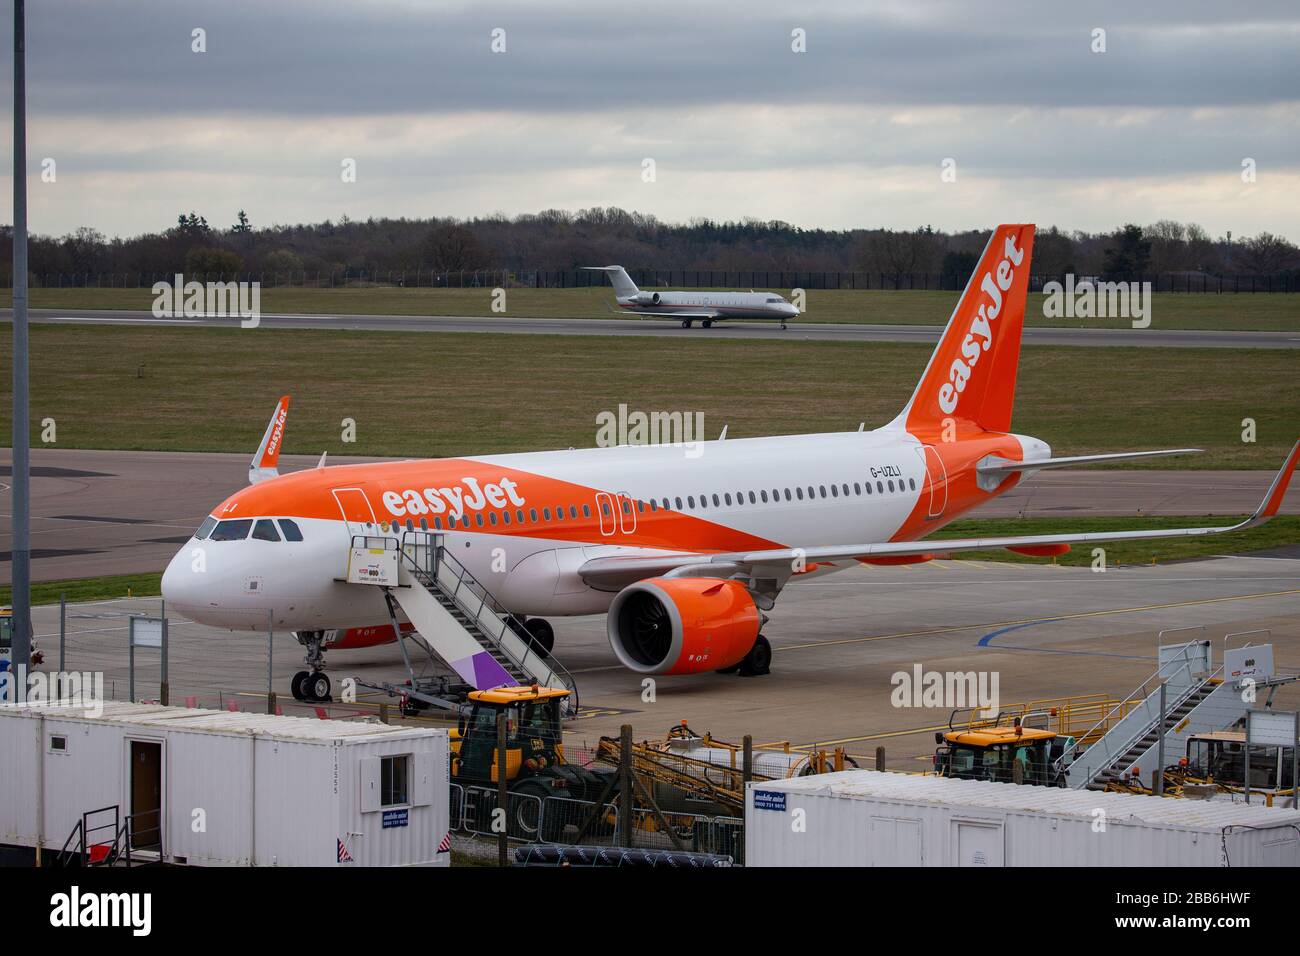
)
(291, 530)
(264, 530)
(775, 298)
(205, 529)
(235, 529)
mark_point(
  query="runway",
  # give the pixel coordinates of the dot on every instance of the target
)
(114, 512)
(798, 331)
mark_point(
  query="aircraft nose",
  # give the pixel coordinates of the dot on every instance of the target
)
(181, 587)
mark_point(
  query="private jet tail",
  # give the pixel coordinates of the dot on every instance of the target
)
(624, 287)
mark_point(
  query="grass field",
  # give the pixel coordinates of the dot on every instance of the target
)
(78, 590)
(193, 389)
(1281, 531)
(1259, 312)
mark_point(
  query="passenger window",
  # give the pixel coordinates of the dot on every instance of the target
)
(752, 499)
(492, 517)
(763, 494)
(857, 488)
(823, 488)
(205, 529)
(868, 487)
(424, 524)
(478, 518)
(727, 498)
(880, 487)
(799, 493)
(835, 492)
(573, 511)
(437, 524)
(640, 506)
(679, 504)
(787, 494)
(586, 511)
(519, 515)
(532, 514)
(505, 517)
(291, 530)
(716, 501)
(846, 489)
(690, 500)
(264, 530)
(911, 483)
(627, 507)
(234, 530)
(891, 486)
(653, 506)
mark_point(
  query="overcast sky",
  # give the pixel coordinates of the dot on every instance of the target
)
(850, 133)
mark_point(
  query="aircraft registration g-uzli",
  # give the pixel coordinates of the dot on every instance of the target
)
(685, 553)
(703, 306)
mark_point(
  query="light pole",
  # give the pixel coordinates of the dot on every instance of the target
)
(22, 546)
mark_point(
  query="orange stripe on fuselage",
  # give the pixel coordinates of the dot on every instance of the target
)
(448, 482)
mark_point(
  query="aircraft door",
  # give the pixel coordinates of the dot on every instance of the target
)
(936, 481)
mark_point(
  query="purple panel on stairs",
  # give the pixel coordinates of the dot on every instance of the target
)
(483, 671)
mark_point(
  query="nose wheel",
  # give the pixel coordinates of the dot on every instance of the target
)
(311, 686)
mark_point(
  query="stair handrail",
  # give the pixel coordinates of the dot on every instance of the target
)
(1139, 694)
(1170, 707)
(429, 576)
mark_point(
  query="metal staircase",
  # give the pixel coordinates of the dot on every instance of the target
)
(1149, 742)
(466, 626)
(1133, 728)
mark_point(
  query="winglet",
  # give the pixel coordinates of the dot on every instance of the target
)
(1277, 490)
(263, 465)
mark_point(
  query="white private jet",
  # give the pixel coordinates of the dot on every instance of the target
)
(707, 307)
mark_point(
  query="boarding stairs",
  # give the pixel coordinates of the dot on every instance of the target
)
(461, 622)
(1126, 742)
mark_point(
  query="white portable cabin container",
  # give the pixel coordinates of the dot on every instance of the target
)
(235, 789)
(866, 818)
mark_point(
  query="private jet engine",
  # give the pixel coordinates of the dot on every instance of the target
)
(687, 626)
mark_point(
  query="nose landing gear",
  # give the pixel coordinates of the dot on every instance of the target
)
(311, 686)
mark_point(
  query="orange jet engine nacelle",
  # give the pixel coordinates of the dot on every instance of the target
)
(682, 625)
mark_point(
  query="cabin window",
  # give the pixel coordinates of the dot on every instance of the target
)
(478, 518)
(911, 483)
(505, 517)
(857, 488)
(690, 500)
(880, 487)
(891, 486)
(717, 502)
(586, 511)
(519, 515)
(727, 498)
(492, 517)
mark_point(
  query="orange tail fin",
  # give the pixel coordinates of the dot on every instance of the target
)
(972, 373)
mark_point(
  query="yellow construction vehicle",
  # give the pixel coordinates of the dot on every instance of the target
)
(535, 765)
(999, 752)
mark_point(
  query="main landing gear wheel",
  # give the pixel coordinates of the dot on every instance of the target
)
(707, 323)
(540, 633)
(686, 323)
(758, 660)
(295, 685)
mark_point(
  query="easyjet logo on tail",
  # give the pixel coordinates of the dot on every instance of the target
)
(273, 446)
(994, 284)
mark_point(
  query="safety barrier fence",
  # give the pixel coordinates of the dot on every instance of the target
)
(563, 821)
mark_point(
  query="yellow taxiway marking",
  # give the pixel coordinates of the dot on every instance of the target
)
(883, 736)
(1031, 620)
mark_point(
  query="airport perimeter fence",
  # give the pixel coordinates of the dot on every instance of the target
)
(650, 279)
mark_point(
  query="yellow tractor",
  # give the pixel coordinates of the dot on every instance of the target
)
(535, 768)
(1000, 753)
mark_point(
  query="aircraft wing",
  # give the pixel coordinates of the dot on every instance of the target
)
(265, 463)
(654, 314)
(779, 563)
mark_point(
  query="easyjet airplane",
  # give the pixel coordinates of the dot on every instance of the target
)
(684, 550)
(697, 305)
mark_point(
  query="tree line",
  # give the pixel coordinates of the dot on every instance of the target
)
(561, 240)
